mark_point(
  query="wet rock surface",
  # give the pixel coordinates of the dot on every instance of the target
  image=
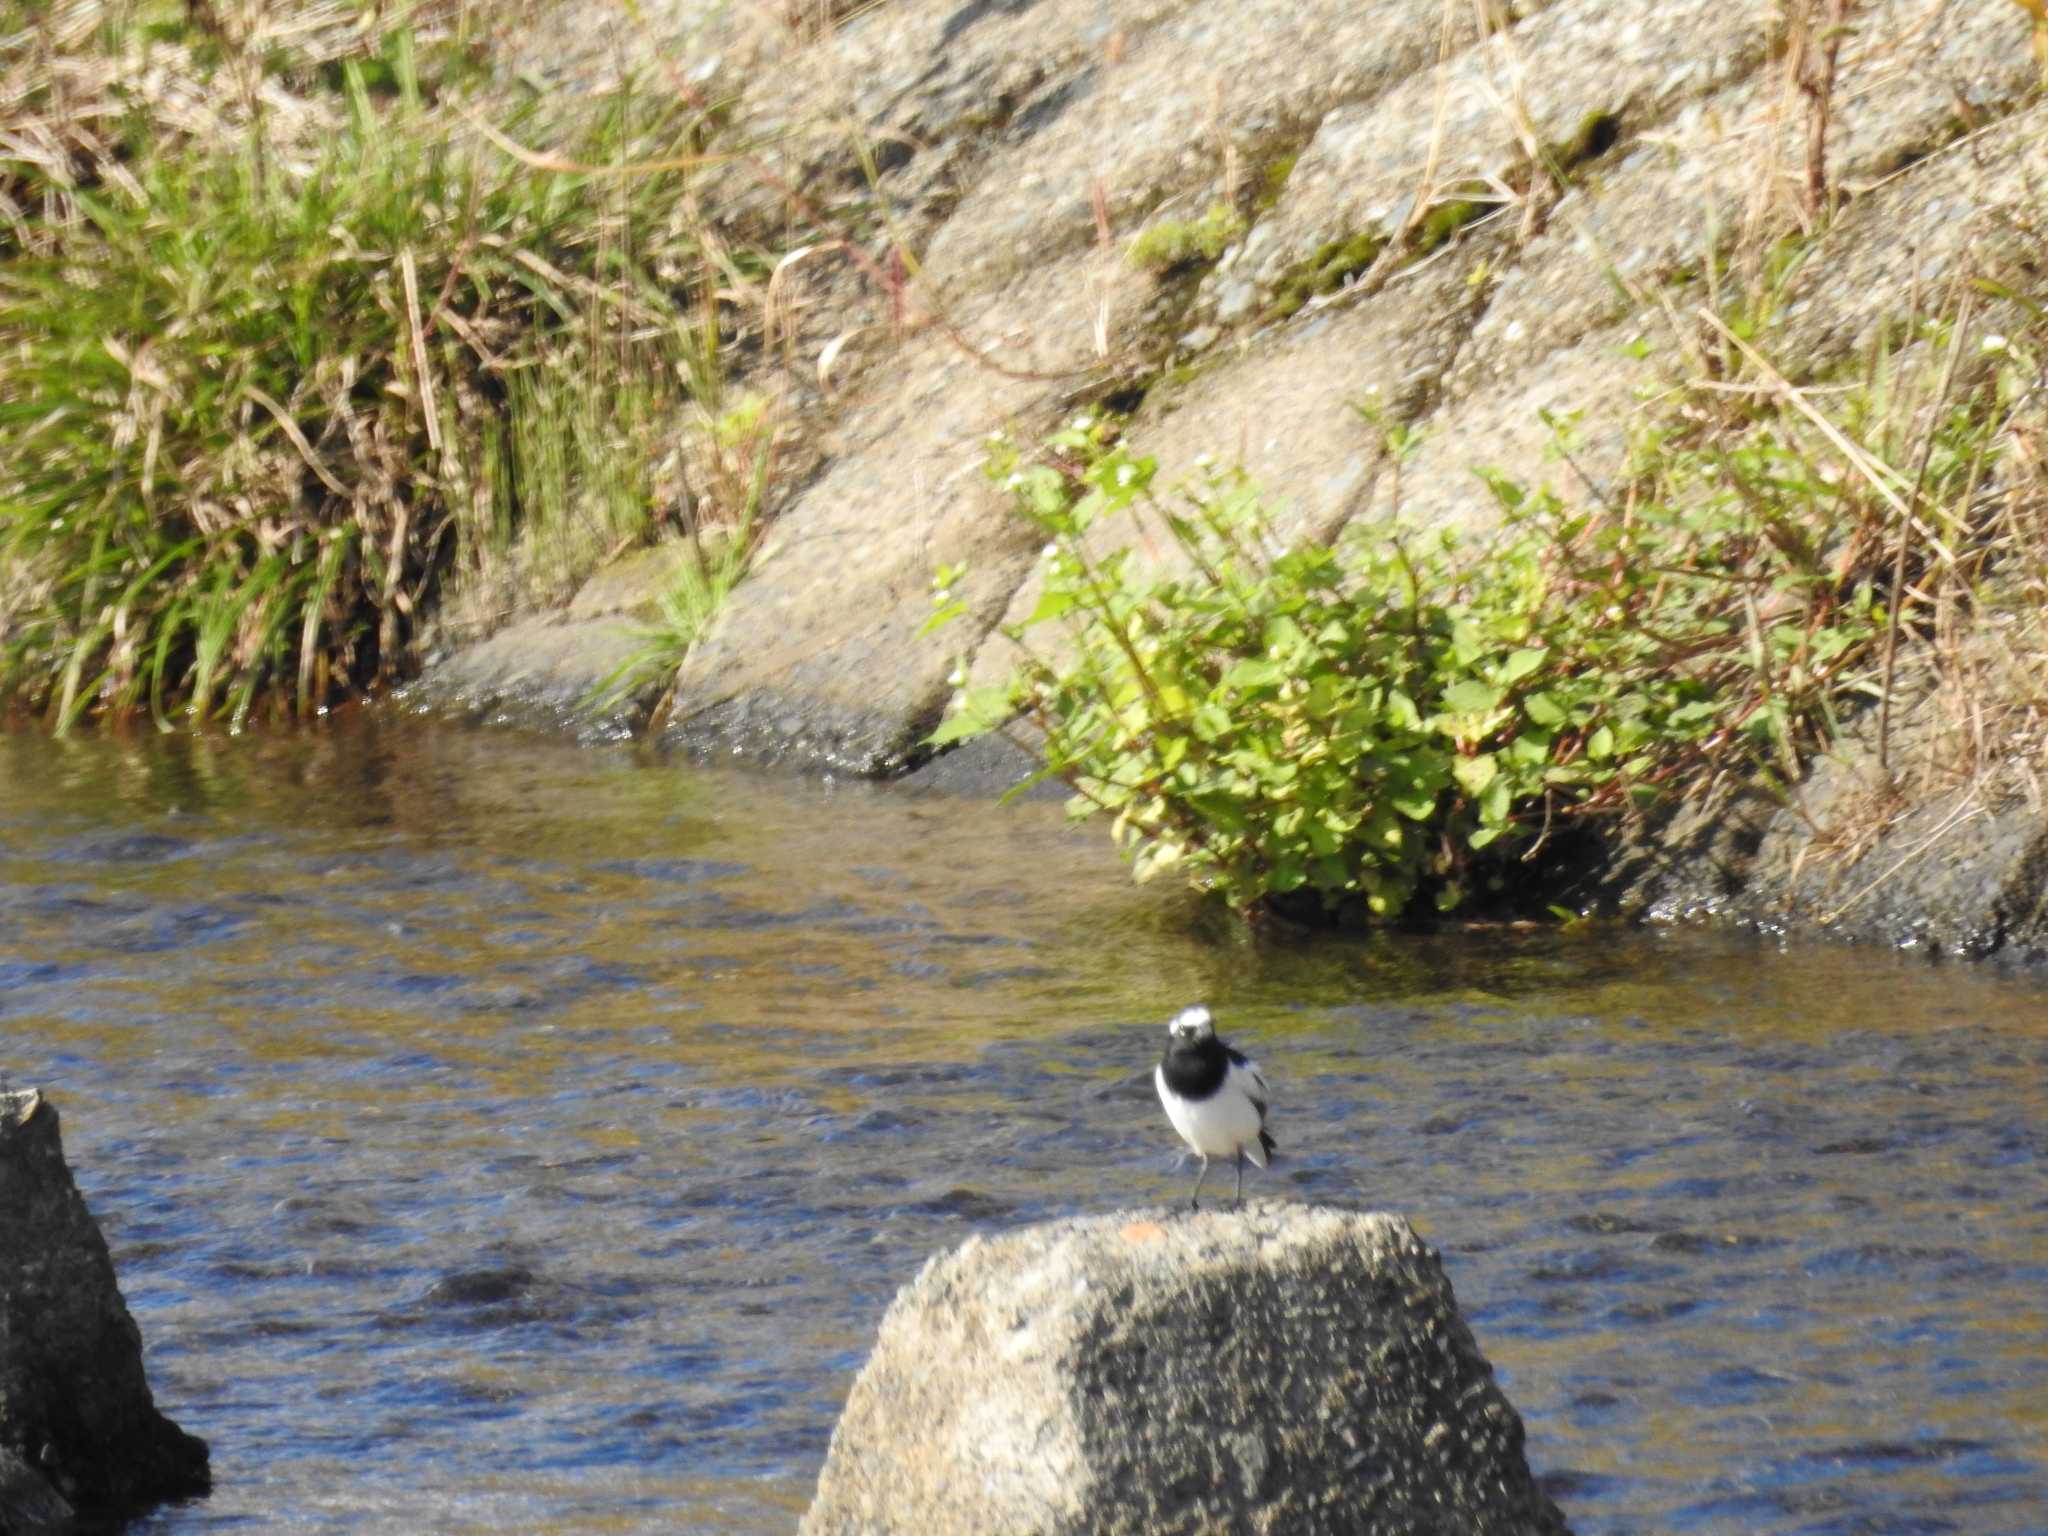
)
(1962, 873)
(556, 671)
(78, 1428)
(1278, 1367)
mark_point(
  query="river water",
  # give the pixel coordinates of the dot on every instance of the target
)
(499, 1136)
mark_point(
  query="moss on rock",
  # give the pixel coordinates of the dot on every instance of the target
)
(1333, 264)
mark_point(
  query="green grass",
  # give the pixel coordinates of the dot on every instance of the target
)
(706, 571)
(267, 400)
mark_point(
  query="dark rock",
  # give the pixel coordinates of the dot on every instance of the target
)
(78, 1427)
(481, 1287)
(29, 1506)
(1962, 873)
(1280, 1367)
(988, 767)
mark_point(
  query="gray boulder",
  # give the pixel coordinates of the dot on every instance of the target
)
(1279, 1368)
(78, 1428)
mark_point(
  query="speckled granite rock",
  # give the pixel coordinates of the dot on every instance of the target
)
(76, 1414)
(1278, 1368)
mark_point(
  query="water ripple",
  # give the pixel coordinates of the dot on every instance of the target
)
(529, 1140)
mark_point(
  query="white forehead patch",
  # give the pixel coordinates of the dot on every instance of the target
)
(1191, 1021)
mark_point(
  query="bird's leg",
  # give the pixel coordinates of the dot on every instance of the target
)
(1238, 1198)
(1195, 1200)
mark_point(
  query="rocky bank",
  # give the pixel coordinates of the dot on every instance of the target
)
(1459, 216)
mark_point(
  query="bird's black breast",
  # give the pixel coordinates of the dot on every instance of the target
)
(1196, 1071)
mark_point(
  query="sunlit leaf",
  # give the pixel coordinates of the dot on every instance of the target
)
(1495, 804)
(1474, 774)
(1471, 696)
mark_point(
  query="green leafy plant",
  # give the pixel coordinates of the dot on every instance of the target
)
(1351, 722)
(1399, 716)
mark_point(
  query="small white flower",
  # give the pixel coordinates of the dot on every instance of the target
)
(1050, 552)
(1126, 473)
(943, 595)
(1994, 343)
(1013, 482)
(1084, 423)
(957, 678)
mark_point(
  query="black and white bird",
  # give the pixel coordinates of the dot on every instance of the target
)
(1215, 1097)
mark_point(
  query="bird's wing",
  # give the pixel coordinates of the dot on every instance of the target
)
(1251, 1079)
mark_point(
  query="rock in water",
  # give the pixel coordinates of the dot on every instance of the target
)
(75, 1411)
(1281, 1368)
(29, 1506)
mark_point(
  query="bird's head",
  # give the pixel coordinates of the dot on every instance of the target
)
(1191, 1026)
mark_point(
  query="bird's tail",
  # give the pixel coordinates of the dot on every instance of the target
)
(1266, 1148)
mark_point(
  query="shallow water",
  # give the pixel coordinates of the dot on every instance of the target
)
(499, 1136)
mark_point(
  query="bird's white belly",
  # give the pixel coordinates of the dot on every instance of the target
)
(1218, 1125)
